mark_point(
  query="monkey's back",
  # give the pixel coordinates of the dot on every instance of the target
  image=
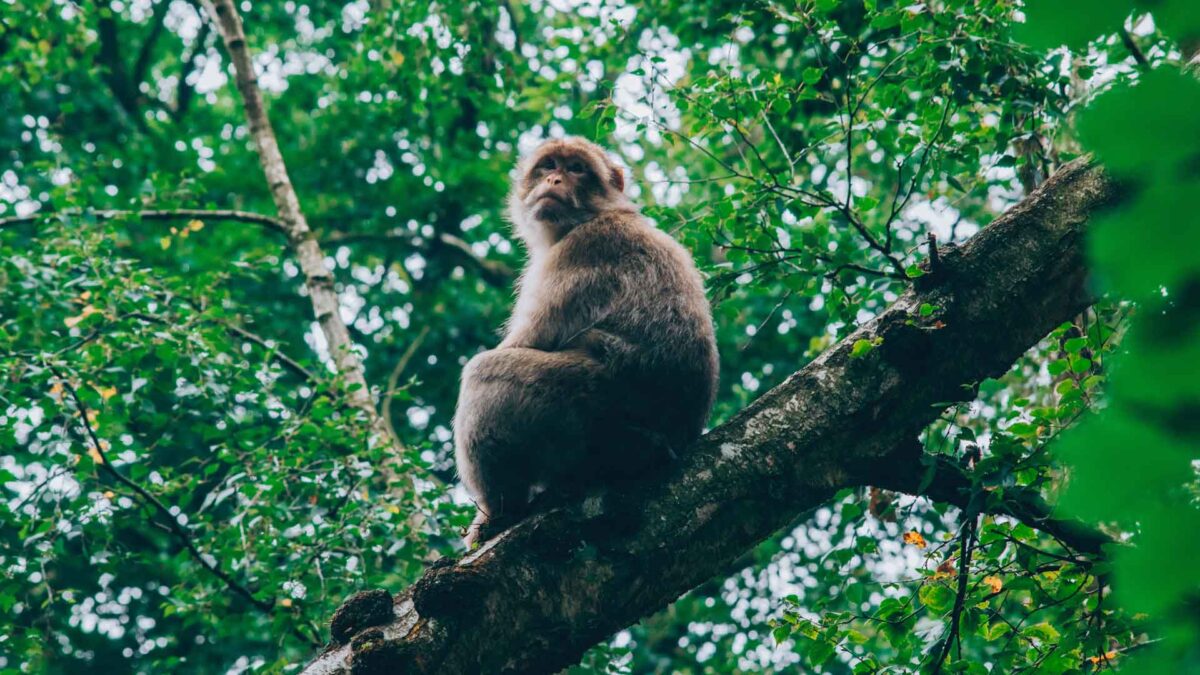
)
(662, 366)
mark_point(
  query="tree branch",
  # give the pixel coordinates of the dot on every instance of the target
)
(268, 222)
(115, 73)
(493, 271)
(950, 484)
(186, 91)
(394, 379)
(182, 535)
(157, 23)
(272, 349)
(534, 597)
(966, 546)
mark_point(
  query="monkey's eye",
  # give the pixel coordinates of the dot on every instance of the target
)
(547, 164)
(577, 167)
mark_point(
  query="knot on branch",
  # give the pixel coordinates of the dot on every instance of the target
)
(372, 652)
(436, 593)
(939, 266)
(361, 610)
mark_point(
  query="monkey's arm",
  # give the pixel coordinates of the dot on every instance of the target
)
(601, 345)
(572, 303)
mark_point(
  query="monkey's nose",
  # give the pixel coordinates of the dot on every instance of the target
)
(556, 180)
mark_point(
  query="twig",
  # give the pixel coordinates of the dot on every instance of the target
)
(764, 322)
(496, 273)
(897, 207)
(935, 259)
(1127, 40)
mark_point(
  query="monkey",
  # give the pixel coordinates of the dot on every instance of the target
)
(608, 363)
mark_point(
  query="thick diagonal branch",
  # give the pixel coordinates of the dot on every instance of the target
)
(536, 596)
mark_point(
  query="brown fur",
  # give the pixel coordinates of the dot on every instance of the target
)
(609, 358)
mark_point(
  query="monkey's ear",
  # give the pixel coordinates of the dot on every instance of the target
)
(616, 177)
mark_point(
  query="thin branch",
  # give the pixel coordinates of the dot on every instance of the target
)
(1134, 49)
(182, 535)
(173, 214)
(186, 92)
(157, 24)
(394, 379)
(272, 349)
(494, 272)
(948, 483)
(762, 324)
(872, 242)
(965, 549)
(897, 207)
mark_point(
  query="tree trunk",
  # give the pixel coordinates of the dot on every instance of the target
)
(317, 278)
(535, 597)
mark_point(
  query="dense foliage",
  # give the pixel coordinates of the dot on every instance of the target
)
(185, 488)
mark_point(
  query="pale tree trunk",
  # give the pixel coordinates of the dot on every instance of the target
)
(317, 278)
(535, 597)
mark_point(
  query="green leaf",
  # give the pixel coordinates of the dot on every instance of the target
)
(937, 597)
(1150, 243)
(1074, 345)
(1120, 464)
(1161, 569)
(862, 347)
(1138, 127)
(1053, 23)
(1042, 631)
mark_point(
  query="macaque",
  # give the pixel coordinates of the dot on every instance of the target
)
(608, 364)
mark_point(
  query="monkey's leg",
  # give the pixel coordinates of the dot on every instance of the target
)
(522, 419)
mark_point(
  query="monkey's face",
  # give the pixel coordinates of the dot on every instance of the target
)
(564, 183)
(560, 186)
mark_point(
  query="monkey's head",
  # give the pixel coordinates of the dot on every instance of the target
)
(563, 183)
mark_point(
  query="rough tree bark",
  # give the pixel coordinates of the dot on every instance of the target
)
(536, 596)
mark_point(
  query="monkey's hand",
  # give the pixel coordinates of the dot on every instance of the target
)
(599, 344)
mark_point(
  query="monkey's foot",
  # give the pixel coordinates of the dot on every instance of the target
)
(483, 528)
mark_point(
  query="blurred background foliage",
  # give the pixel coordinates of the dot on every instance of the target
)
(184, 489)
